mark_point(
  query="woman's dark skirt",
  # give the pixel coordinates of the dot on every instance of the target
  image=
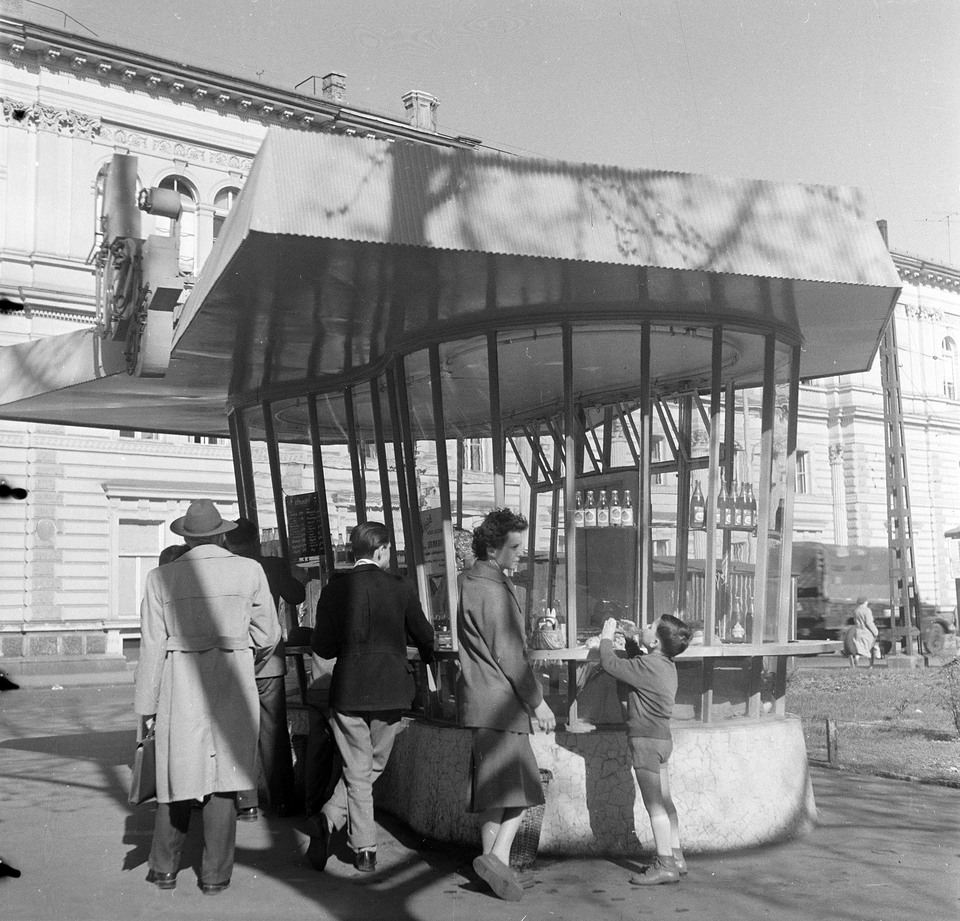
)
(504, 771)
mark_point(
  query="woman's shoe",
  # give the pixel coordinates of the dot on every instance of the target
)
(499, 877)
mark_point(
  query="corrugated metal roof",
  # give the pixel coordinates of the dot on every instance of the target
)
(379, 192)
(299, 287)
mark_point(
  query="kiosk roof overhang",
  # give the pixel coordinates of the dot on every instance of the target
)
(340, 251)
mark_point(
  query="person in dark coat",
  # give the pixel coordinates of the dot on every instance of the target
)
(365, 618)
(273, 744)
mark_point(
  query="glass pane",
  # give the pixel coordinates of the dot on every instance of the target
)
(531, 399)
(263, 503)
(781, 496)
(139, 538)
(338, 473)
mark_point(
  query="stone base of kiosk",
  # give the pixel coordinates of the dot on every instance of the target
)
(736, 784)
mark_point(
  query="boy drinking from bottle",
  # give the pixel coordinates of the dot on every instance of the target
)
(651, 680)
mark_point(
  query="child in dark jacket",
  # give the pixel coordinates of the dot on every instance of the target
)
(651, 680)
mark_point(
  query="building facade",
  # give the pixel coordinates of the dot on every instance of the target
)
(76, 550)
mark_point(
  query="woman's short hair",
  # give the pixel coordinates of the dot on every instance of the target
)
(367, 538)
(674, 635)
(491, 533)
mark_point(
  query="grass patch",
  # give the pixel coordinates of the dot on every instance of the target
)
(888, 719)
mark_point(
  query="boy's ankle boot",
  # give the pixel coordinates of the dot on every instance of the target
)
(662, 870)
(680, 860)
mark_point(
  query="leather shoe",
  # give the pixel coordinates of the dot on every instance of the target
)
(213, 888)
(365, 861)
(318, 850)
(657, 874)
(248, 814)
(162, 880)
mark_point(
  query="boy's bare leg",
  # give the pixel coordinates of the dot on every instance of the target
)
(669, 807)
(653, 800)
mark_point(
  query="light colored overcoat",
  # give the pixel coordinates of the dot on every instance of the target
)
(203, 620)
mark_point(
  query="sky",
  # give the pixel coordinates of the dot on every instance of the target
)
(862, 93)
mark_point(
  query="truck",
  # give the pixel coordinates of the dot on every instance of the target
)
(830, 578)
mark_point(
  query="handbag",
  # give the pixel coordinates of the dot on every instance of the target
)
(143, 781)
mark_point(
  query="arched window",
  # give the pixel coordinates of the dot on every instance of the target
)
(188, 222)
(222, 203)
(948, 357)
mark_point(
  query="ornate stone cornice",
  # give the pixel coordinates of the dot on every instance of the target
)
(140, 140)
(29, 44)
(922, 312)
(49, 118)
(916, 271)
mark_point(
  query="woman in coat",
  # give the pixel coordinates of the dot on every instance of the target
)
(861, 637)
(204, 620)
(498, 692)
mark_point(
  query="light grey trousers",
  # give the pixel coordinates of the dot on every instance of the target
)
(365, 741)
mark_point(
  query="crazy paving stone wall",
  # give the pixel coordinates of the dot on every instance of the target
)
(738, 784)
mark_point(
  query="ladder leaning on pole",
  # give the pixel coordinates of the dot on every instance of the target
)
(904, 598)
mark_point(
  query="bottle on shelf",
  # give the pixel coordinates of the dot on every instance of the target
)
(739, 507)
(626, 513)
(698, 508)
(720, 494)
(340, 553)
(729, 505)
(590, 511)
(616, 511)
(750, 513)
(778, 519)
(603, 511)
(578, 511)
(737, 632)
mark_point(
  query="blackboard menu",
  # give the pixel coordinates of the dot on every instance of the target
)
(303, 527)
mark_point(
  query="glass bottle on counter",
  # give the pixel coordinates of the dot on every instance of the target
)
(698, 508)
(340, 552)
(616, 511)
(603, 511)
(578, 511)
(626, 513)
(590, 511)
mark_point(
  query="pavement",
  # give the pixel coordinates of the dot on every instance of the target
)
(883, 850)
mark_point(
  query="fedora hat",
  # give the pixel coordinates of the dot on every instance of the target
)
(202, 520)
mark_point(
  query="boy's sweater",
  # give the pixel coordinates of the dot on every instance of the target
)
(652, 684)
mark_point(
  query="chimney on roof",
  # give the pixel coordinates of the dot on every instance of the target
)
(421, 109)
(334, 87)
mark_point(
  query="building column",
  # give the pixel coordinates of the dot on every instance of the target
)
(839, 495)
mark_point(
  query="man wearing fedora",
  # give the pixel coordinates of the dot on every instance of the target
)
(204, 621)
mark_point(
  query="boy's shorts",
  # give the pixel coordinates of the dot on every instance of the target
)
(650, 754)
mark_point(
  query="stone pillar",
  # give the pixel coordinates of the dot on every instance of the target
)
(838, 493)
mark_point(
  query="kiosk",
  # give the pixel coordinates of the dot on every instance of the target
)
(627, 345)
